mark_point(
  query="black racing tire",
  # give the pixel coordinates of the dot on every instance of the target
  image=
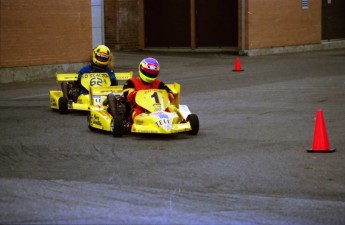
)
(194, 123)
(64, 88)
(63, 105)
(117, 128)
(112, 101)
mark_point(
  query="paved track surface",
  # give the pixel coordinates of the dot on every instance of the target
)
(247, 165)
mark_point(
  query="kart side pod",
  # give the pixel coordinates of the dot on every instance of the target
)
(99, 118)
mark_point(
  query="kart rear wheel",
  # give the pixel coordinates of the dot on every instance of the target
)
(63, 105)
(194, 123)
(117, 126)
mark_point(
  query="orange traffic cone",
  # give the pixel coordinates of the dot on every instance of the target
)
(237, 67)
(320, 142)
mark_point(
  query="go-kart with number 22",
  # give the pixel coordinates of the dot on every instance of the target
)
(160, 116)
(69, 97)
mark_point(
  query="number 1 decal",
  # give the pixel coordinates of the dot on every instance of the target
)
(155, 96)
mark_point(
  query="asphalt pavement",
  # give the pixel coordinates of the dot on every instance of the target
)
(247, 165)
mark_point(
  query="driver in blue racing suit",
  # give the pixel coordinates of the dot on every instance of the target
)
(101, 62)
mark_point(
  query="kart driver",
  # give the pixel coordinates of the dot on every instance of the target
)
(148, 73)
(101, 62)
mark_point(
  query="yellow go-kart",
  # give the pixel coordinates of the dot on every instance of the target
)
(160, 117)
(69, 97)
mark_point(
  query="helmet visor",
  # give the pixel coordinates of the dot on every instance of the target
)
(148, 74)
(102, 58)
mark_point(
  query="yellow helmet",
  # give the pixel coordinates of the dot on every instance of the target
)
(149, 70)
(101, 56)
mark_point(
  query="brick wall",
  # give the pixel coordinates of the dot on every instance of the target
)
(278, 23)
(121, 24)
(110, 30)
(269, 23)
(41, 32)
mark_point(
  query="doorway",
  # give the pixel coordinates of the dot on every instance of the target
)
(333, 19)
(169, 24)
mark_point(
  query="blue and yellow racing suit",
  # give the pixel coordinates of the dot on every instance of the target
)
(91, 68)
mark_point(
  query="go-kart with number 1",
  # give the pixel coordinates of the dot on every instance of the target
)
(160, 116)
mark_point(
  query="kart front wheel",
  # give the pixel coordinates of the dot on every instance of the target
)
(63, 105)
(111, 100)
(194, 123)
(117, 126)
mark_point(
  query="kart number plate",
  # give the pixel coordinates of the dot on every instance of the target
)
(97, 100)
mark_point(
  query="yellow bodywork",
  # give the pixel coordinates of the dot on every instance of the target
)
(161, 117)
(160, 123)
(89, 81)
(99, 118)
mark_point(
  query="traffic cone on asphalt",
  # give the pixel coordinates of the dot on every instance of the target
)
(320, 141)
(237, 67)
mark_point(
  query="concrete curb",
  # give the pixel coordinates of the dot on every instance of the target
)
(325, 45)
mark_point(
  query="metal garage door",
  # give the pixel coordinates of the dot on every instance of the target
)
(216, 23)
(167, 23)
(333, 19)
